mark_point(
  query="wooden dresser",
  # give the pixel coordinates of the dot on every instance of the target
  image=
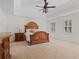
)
(4, 47)
(1, 51)
(19, 37)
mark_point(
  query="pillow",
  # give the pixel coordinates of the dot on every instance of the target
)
(32, 30)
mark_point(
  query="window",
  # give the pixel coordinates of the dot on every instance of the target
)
(68, 26)
(53, 26)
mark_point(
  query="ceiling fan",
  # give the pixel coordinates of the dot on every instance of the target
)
(45, 7)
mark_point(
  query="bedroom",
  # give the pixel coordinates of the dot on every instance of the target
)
(63, 43)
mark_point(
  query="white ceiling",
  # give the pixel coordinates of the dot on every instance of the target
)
(28, 7)
(69, 7)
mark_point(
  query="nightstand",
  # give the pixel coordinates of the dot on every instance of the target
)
(19, 37)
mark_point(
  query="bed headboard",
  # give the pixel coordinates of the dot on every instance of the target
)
(31, 25)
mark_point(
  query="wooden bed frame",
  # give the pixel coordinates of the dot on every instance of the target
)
(31, 25)
(37, 37)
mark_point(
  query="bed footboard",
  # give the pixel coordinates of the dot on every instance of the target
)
(39, 37)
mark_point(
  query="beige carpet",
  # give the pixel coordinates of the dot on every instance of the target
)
(53, 50)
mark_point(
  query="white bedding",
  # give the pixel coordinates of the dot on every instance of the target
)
(30, 32)
(27, 34)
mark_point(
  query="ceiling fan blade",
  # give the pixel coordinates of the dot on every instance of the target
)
(51, 6)
(40, 6)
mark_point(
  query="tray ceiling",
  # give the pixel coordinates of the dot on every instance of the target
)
(28, 7)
